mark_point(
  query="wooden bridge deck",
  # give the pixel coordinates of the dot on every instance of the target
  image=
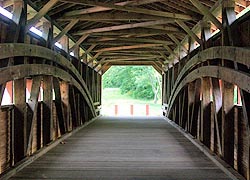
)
(125, 148)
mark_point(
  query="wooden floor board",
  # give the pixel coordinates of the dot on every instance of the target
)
(124, 149)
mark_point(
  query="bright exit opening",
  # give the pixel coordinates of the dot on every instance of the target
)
(131, 90)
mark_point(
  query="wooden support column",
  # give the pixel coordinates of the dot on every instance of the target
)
(64, 41)
(72, 101)
(32, 114)
(228, 17)
(184, 113)
(19, 121)
(47, 110)
(195, 109)
(205, 33)
(45, 29)
(191, 101)
(64, 90)
(216, 108)
(205, 112)
(59, 108)
(164, 88)
(168, 84)
(245, 161)
(227, 122)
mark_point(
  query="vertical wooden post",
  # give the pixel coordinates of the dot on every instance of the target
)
(20, 121)
(64, 88)
(64, 41)
(205, 112)
(59, 108)
(47, 110)
(169, 84)
(227, 122)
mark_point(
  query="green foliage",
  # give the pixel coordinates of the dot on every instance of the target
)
(140, 82)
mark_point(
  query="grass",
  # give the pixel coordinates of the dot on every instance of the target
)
(113, 96)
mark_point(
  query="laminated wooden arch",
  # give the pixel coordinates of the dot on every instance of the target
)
(29, 70)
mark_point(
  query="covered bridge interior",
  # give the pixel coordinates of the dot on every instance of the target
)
(54, 52)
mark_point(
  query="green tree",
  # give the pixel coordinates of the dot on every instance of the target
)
(141, 82)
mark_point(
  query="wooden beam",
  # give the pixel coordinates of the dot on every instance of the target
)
(207, 13)
(33, 103)
(48, 125)
(223, 73)
(129, 59)
(128, 9)
(129, 39)
(101, 9)
(78, 42)
(170, 50)
(127, 47)
(164, 28)
(89, 49)
(41, 13)
(59, 106)
(121, 27)
(110, 57)
(94, 57)
(132, 63)
(134, 32)
(17, 10)
(190, 32)
(176, 41)
(20, 122)
(65, 30)
(7, 3)
(113, 16)
(99, 62)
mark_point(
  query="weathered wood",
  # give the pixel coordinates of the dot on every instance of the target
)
(59, 106)
(47, 110)
(64, 91)
(130, 9)
(32, 116)
(79, 41)
(128, 39)
(217, 105)
(216, 72)
(20, 122)
(205, 112)
(207, 13)
(190, 32)
(108, 143)
(126, 26)
(40, 14)
(222, 52)
(127, 47)
(16, 49)
(114, 16)
(101, 9)
(65, 30)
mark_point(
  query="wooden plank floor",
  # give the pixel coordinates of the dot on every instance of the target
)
(124, 148)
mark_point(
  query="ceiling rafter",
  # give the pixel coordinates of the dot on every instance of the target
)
(129, 9)
(65, 30)
(127, 47)
(207, 13)
(190, 32)
(41, 13)
(121, 27)
(102, 9)
(128, 39)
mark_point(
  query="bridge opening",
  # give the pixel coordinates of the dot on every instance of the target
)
(131, 90)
